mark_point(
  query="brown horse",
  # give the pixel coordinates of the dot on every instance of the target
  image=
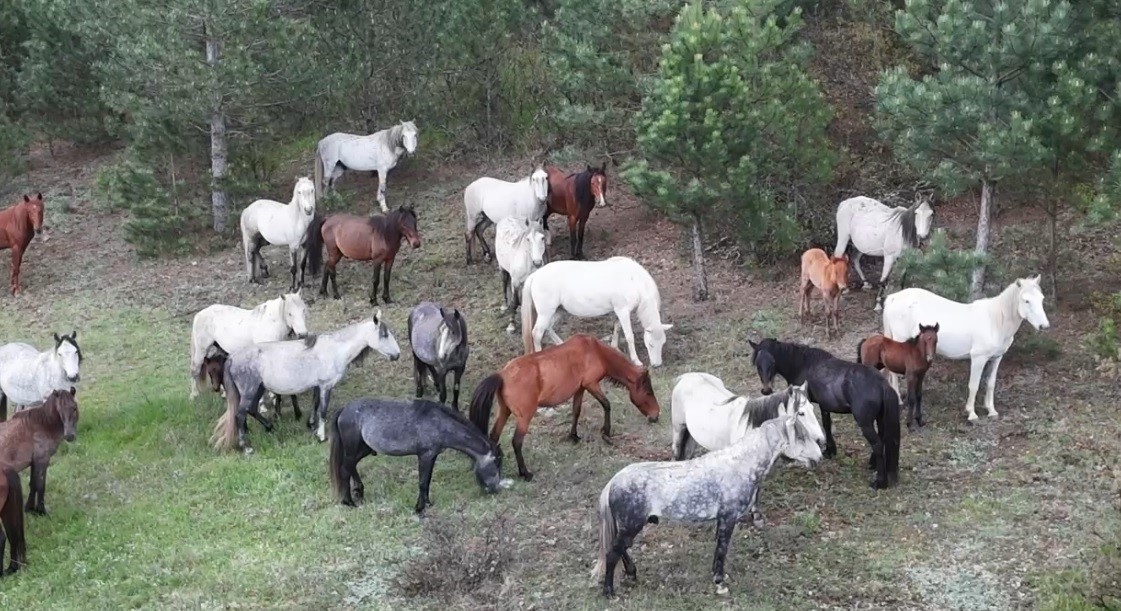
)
(360, 238)
(553, 376)
(11, 517)
(574, 195)
(32, 436)
(829, 275)
(18, 225)
(911, 358)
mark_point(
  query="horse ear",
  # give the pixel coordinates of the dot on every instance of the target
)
(936, 326)
(587, 168)
(57, 339)
(26, 198)
(1037, 278)
(39, 195)
(753, 344)
(1019, 282)
(667, 327)
(73, 391)
(74, 334)
(603, 168)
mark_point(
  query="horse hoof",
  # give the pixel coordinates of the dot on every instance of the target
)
(510, 329)
(993, 414)
(721, 589)
(527, 476)
(247, 451)
(574, 438)
(866, 287)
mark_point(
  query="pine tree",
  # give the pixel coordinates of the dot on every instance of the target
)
(732, 121)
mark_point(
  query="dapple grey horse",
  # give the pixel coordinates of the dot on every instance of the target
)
(380, 152)
(439, 339)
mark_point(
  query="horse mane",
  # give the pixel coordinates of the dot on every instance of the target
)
(906, 219)
(69, 339)
(45, 415)
(788, 352)
(584, 199)
(764, 409)
(386, 224)
(310, 340)
(396, 135)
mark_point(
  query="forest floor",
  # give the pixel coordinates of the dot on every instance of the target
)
(143, 513)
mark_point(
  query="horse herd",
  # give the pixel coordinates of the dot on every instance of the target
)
(246, 353)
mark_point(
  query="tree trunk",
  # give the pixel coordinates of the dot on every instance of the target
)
(219, 201)
(988, 195)
(700, 292)
(1053, 253)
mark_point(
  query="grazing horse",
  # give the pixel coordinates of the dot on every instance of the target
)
(912, 358)
(292, 367)
(981, 331)
(880, 231)
(360, 238)
(439, 339)
(618, 285)
(839, 387)
(19, 224)
(721, 486)
(28, 377)
(553, 376)
(11, 518)
(489, 200)
(574, 195)
(231, 328)
(32, 437)
(268, 222)
(519, 247)
(380, 152)
(421, 428)
(828, 275)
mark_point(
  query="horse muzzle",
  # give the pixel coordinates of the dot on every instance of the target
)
(394, 357)
(601, 203)
(415, 243)
(767, 391)
(74, 378)
(652, 419)
(70, 436)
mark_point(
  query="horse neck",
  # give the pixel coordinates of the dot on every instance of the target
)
(46, 419)
(352, 340)
(648, 312)
(1007, 313)
(619, 367)
(52, 363)
(272, 313)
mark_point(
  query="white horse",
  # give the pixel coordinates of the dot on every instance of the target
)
(291, 367)
(594, 288)
(267, 221)
(880, 231)
(489, 200)
(28, 377)
(519, 247)
(981, 331)
(707, 414)
(378, 152)
(233, 328)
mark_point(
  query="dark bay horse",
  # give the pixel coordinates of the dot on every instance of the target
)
(18, 225)
(421, 428)
(839, 387)
(911, 358)
(574, 195)
(553, 376)
(31, 437)
(11, 518)
(359, 238)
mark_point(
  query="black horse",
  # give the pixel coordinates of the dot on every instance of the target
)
(840, 387)
(421, 428)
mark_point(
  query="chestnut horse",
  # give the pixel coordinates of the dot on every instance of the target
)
(829, 275)
(911, 358)
(11, 517)
(18, 225)
(553, 376)
(360, 238)
(574, 195)
(31, 437)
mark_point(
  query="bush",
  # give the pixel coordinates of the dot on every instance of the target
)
(455, 565)
(1104, 341)
(13, 147)
(939, 268)
(154, 226)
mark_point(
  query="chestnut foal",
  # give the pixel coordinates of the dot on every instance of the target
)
(911, 358)
(829, 275)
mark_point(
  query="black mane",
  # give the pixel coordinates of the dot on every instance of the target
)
(72, 340)
(767, 409)
(388, 225)
(907, 225)
(789, 355)
(584, 198)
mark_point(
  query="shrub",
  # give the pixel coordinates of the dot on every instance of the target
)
(939, 268)
(154, 226)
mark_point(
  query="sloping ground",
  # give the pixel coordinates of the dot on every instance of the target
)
(145, 514)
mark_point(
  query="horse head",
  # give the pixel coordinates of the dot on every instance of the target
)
(798, 405)
(67, 407)
(295, 313)
(928, 341)
(643, 396)
(488, 473)
(451, 332)
(304, 194)
(382, 339)
(655, 338)
(599, 184)
(765, 366)
(924, 215)
(539, 182)
(538, 241)
(36, 210)
(69, 355)
(1030, 306)
(406, 222)
(409, 136)
(802, 446)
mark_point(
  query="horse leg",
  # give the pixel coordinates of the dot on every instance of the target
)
(295, 409)
(427, 461)
(420, 370)
(624, 538)
(321, 412)
(624, 317)
(293, 256)
(976, 368)
(992, 387)
(467, 239)
(248, 243)
(577, 406)
(827, 424)
(519, 438)
(496, 430)
(323, 282)
(335, 282)
(4, 406)
(36, 483)
(580, 238)
(878, 457)
(374, 284)
(479, 229)
(889, 261)
(457, 373)
(388, 271)
(440, 379)
(506, 292)
(597, 392)
(572, 238)
(382, 188)
(17, 260)
(917, 392)
(725, 525)
(860, 272)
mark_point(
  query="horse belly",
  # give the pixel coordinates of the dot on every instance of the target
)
(710, 429)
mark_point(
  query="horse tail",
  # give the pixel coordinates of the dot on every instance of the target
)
(608, 530)
(335, 464)
(12, 518)
(889, 431)
(313, 243)
(859, 347)
(225, 430)
(529, 315)
(483, 400)
(318, 175)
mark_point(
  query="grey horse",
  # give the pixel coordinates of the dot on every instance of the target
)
(439, 339)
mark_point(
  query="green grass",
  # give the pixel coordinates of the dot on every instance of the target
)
(144, 514)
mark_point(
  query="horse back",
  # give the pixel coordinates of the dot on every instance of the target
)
(15, 227)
